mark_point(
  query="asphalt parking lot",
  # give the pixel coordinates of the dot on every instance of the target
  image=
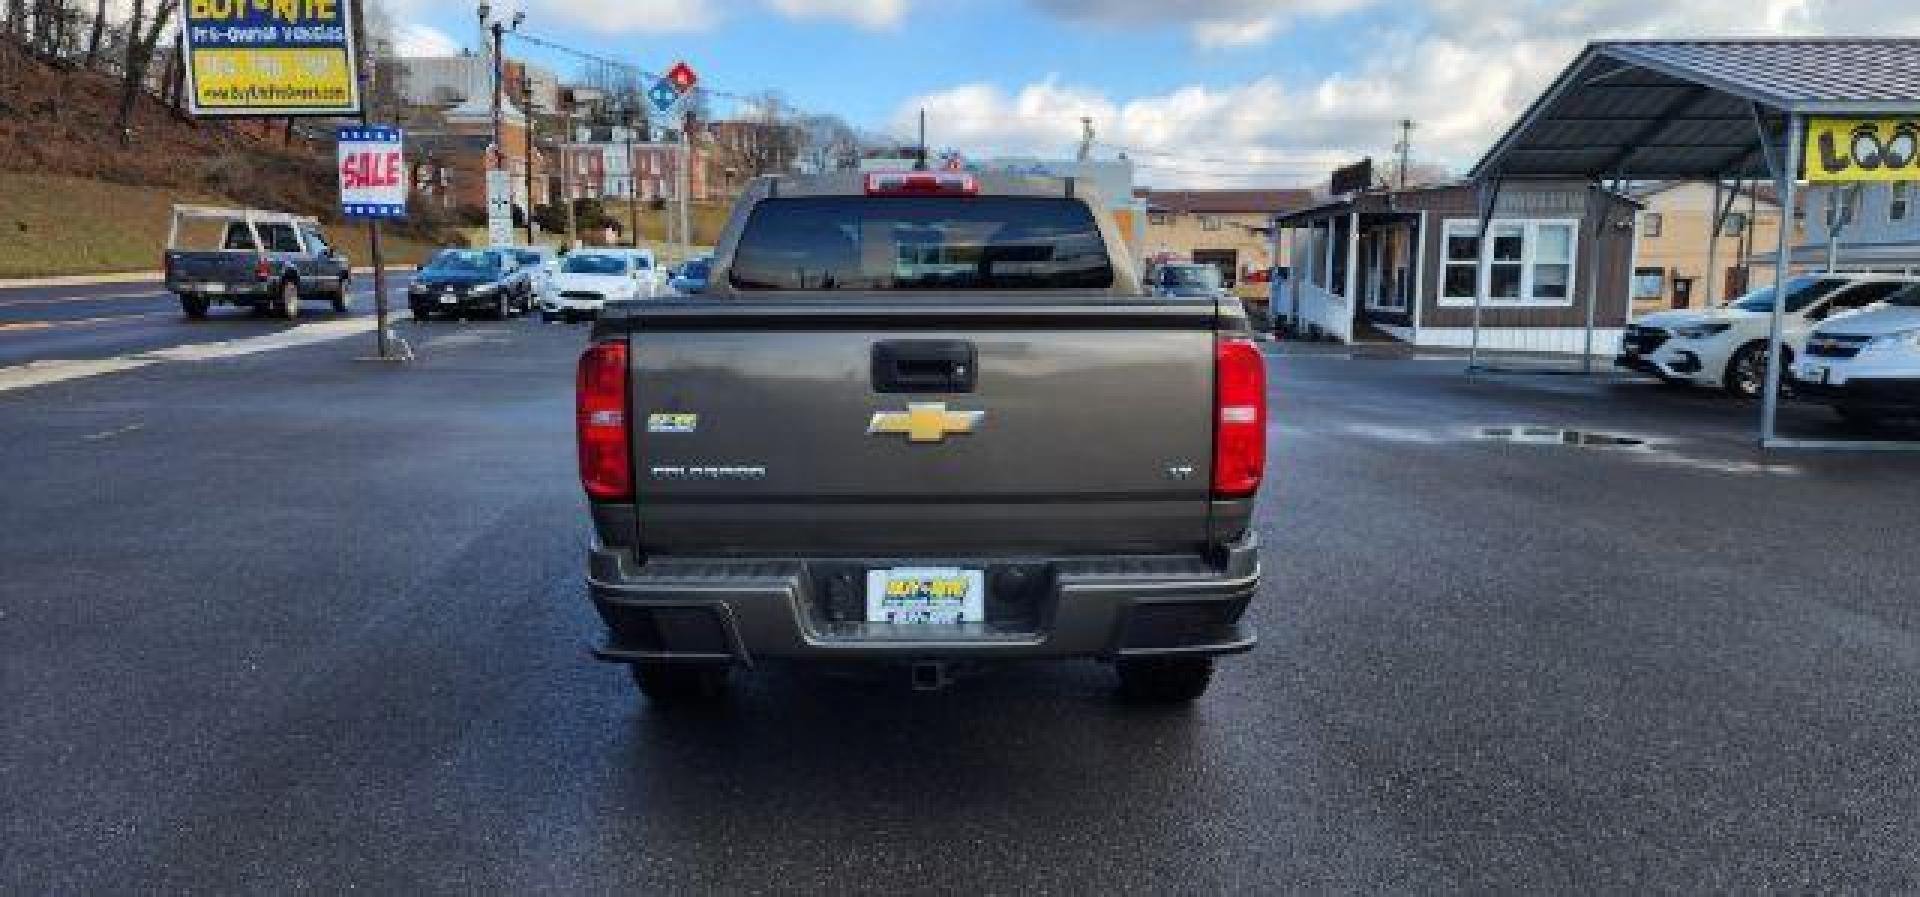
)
(291, 621)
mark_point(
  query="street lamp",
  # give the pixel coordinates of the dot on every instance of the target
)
(498, 30)
(629, 116)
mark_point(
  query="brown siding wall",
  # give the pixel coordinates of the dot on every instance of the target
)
(1613, 252)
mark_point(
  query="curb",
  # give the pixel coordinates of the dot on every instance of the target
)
(81, 280)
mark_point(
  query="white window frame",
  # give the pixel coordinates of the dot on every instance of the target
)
(1899, 197)
(1530, 229)
(1649, 271)
(1211, 223)
(1652, 224)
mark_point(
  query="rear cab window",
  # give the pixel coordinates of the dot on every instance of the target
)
(907, 244)
(593, 264)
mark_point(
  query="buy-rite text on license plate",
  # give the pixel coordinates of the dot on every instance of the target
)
(926, 595)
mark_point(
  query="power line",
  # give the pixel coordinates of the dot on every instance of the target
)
(704, 88)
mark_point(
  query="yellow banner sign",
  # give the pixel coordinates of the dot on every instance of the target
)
(271, 57)
(273, 79)
(1863, 149)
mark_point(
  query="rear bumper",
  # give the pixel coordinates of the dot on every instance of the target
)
(218, 291)
(728, 611)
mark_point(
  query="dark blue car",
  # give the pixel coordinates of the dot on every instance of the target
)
(690, 279)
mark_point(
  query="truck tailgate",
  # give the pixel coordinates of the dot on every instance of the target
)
(211, 266)
(967, 425)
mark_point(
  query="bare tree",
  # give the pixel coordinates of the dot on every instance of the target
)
(99, 32)
(140, 58)
(828, 143)
(764, 139)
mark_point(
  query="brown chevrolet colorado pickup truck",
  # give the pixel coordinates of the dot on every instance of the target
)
(926, 421)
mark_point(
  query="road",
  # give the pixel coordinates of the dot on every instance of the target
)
(109, 320)
(266, 632)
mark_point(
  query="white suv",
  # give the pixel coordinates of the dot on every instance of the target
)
(1867, 366)
(1727, 346)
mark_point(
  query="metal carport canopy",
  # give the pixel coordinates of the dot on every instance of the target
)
(1687, 109)
(1707, 110)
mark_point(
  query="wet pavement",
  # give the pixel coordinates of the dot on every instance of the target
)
(292, 621)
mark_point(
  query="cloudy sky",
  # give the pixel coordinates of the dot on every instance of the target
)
(1201, 92)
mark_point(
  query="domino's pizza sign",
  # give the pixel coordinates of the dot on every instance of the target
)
(373, 172)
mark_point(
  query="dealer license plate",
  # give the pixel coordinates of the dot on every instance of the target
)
(926, 595)
(213, 288)
(448, 300)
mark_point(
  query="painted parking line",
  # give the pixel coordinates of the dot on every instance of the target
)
(58, 300)
(78, 322)
(41, 373)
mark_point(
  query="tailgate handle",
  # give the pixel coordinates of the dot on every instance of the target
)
(910, 366)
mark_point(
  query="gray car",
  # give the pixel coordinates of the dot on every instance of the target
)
(1183, 279)
(926, 423)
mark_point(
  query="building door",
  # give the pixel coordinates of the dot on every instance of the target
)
(1736, 283)
(1227, 260)
(1683, 292)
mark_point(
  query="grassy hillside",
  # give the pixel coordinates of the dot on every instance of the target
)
(51, 225)
(76, 198)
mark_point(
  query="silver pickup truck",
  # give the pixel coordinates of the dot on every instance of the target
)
(925, 421)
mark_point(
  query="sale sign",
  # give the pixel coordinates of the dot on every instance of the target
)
(373, 172)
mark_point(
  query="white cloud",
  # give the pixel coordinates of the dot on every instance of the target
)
(1464, 75)
(424, 40)
(628, 16)
(864, 13)
(683, 16)
(1220, 35)
(1194, 135)
(1214, 24)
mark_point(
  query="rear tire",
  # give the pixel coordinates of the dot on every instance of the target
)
(419, 314)
(289, 304)
(680, 684)
(342, 298)
(194, 306)
(1164, 680)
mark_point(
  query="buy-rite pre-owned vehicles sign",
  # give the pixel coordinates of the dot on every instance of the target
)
(271, 57)
(1863, 149)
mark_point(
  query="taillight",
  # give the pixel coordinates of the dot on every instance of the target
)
(1239, 418)
(262, 270)
(922, 183)
(600, 401)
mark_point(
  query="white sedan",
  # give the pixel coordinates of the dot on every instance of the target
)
(589, 278)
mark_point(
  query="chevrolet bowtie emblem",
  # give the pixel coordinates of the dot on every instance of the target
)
(924, 422)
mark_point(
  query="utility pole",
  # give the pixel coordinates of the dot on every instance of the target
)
(686, 184)
(498, 30)
(920, 152)
(380, 334)
(566, 172)
(1405, 149)
(633, 184)
(526, 108)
